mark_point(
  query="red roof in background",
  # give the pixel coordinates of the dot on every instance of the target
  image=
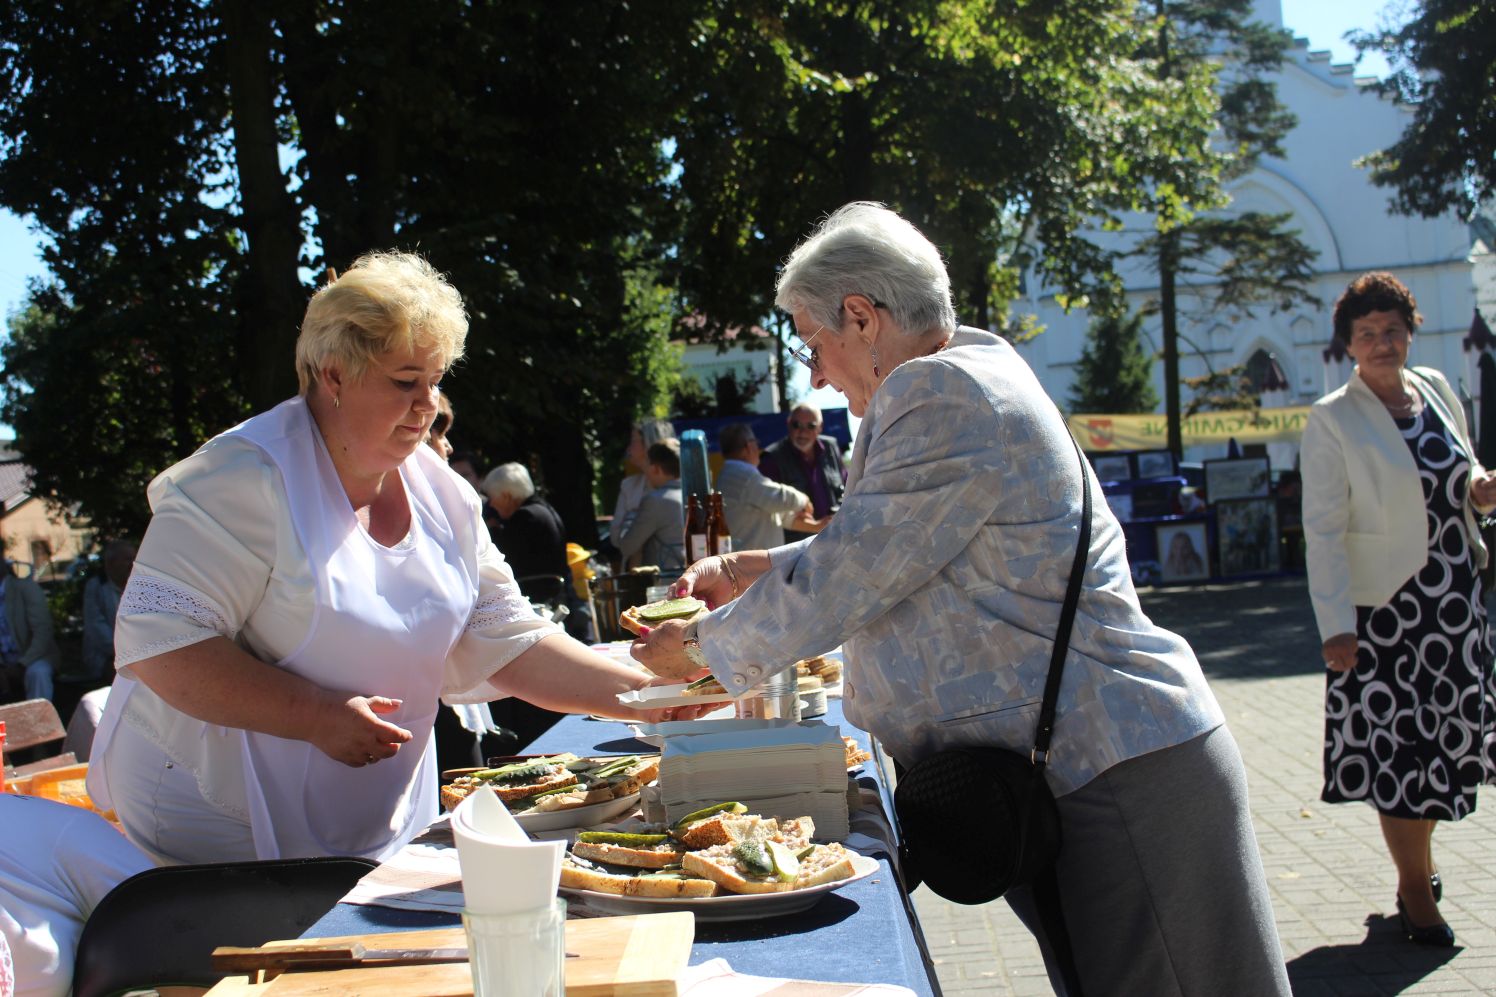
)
(732, 332)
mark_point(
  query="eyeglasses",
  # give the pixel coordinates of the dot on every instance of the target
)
(809, 357)
(796, 424)
(812, 358)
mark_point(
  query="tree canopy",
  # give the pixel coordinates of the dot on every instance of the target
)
(1444, 68)
(589, 182)
(1206, 256)
(1115, 372)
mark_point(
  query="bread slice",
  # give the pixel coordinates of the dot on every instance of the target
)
(641, 857)
(825, 864)
(720, 829)
(578, 796)
(708, 686)
(582, 874)
(638, 618)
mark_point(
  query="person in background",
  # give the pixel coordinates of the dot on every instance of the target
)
(312, 582)
(943, 577)
(1391, 491)
(755, 507)
(810, 463)
(441, 425)
(656, 532)
(633, 488)
(101, 596)
(531, 536)
(465, 463)
(28, 652)
(56, 863)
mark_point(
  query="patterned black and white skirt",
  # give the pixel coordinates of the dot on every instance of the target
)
(1412, 728)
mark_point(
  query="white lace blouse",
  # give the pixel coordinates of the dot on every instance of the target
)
(221, 558)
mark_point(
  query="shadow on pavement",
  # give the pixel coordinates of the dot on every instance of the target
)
(1383, 963)
(1262, 628)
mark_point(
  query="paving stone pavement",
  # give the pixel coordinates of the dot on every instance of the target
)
(1331, 880)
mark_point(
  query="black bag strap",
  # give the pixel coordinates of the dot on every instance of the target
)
(1040, 755)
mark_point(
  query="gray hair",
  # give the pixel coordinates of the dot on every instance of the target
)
(652, 431)
(734, 438)
(509, 479)
(807, 407)
(864, 248)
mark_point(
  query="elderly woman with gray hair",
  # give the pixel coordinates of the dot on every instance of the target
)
(531, 536)
(312, 581)
(943, 575)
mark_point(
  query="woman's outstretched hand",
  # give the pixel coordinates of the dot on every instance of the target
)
(707, 580)
(662, 650)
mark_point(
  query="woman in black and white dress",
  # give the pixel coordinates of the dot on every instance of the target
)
(1391, 494)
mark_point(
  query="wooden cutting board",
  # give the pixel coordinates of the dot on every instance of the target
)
(636, 956)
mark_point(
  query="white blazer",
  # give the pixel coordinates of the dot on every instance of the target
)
(1365, 520)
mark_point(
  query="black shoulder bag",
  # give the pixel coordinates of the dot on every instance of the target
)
(975, 822)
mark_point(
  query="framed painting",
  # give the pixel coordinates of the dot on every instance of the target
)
(1236, 478)
(1112, 467)
(1154, 463)
(1182, 554)
(1247, 536)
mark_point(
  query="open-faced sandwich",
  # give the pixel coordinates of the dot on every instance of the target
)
(632, 859)
(855, 753)
(557, 782)
(721, 848)
(828, 670)
(704, 686)
(652, 614)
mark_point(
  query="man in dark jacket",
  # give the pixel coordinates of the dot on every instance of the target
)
(809, 462)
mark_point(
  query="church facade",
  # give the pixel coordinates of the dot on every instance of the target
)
(1340, 215)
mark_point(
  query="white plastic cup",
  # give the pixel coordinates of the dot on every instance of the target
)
(518, 955)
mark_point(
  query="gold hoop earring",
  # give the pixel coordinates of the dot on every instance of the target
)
(336, 402)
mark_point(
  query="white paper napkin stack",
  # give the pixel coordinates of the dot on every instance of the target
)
(784, 772)
(503, 871)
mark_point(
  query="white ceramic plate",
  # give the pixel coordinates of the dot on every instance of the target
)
(592, 813)
(654, 696)
(729, 907)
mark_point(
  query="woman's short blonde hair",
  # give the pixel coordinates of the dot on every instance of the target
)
(386, 301)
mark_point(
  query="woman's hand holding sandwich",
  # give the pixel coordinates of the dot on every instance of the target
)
(662, 649)
(721, 578)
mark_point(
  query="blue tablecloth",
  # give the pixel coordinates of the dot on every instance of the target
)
(862, 933)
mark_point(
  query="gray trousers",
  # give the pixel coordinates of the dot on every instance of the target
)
(1160, 881)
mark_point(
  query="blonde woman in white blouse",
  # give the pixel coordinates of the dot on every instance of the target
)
(312, 582)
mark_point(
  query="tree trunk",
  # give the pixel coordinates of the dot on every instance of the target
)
(270, 297)
(1168, 250)
(568, 482)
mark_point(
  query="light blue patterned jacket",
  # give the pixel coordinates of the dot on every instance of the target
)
(943, 576)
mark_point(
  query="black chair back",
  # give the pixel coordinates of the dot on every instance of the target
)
(160, 927)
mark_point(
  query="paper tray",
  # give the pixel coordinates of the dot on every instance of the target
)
(654, 696)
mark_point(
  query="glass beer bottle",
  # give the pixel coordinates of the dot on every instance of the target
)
(696, 536)
(720, 539)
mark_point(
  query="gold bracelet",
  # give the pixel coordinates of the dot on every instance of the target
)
(732, 578)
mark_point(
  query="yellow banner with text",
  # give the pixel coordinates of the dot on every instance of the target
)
(1150, 432)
